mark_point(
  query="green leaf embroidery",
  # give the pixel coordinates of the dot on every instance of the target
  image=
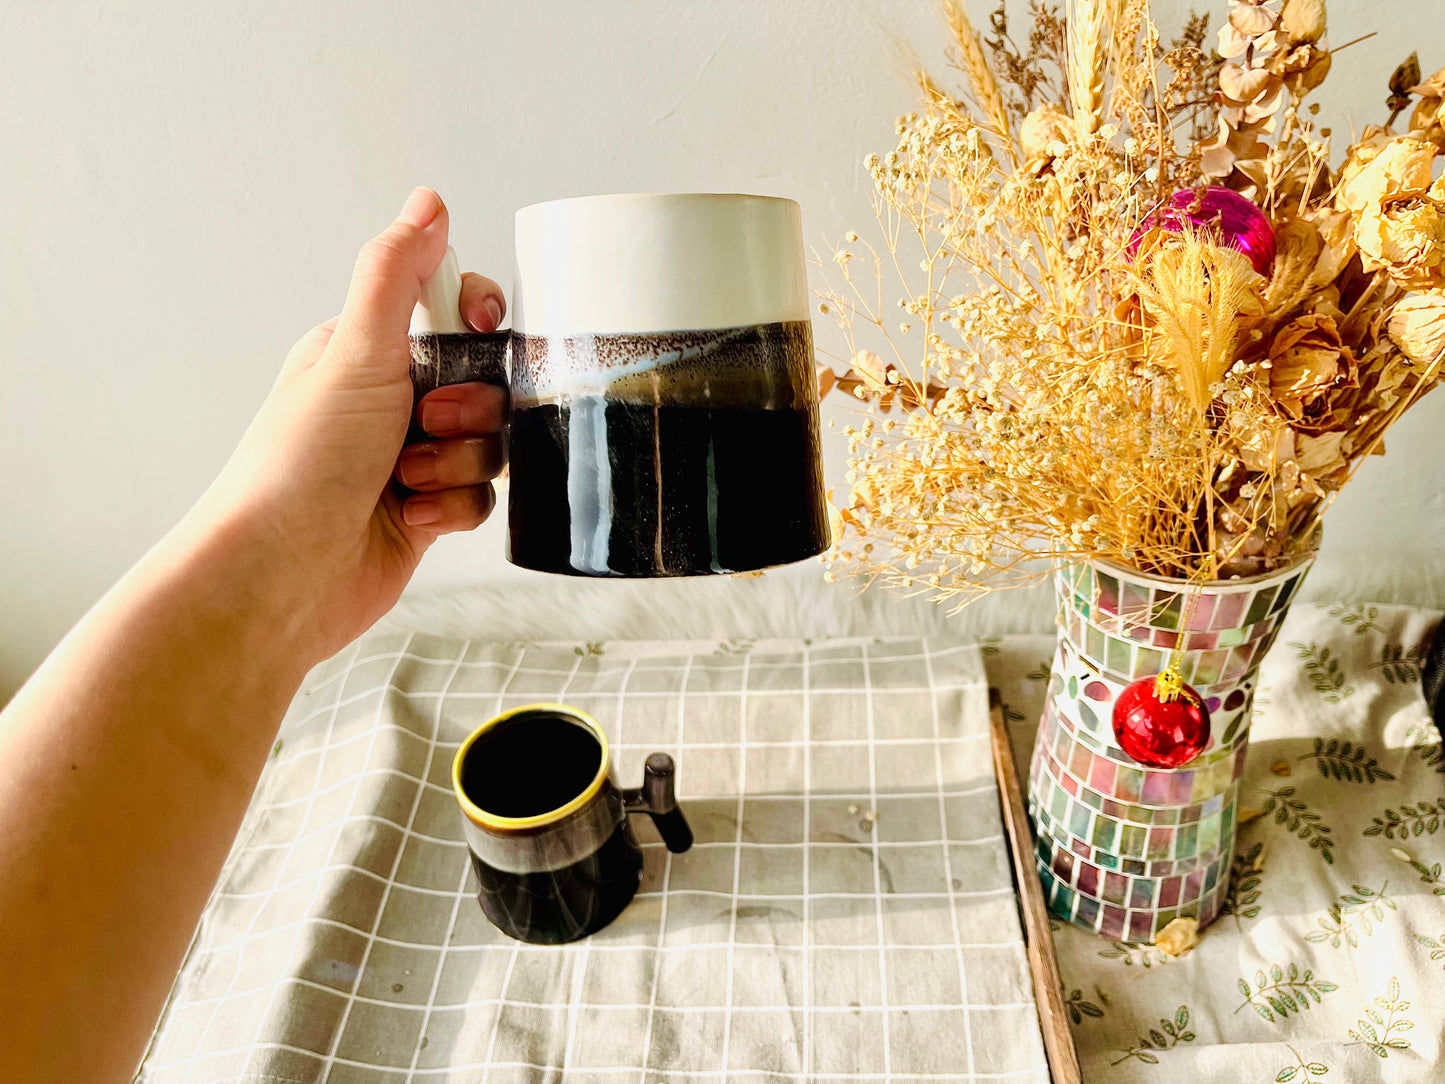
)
(1323, 671)
(589, 649)
(1168, 1034)
(1040, 672)
(1145, 956)
(1436, 947)
(1398, 665)
(1079, 1008)
(1359, 617)
(1345, 762)
(1424, 738)
(1354, 913)
(1417, 818)
(1282, 991)
(1246, 873)
(1301, 821)
(1374, 1030)
(1429, 875)
(1311, 1070)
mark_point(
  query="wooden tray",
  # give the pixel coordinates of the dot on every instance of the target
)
(1043, 962)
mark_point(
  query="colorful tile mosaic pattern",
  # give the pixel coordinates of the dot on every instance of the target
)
(1105, 859)
(1081, 723)
(1088, 705)
(1124, 848)
(1125, 780)
(1126, 624)
(1067, 810)
(1117, 887)
(1120, 923)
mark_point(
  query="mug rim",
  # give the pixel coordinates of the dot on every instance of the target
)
(485, 819)
(654, 197)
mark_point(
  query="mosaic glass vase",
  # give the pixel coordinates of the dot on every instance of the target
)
(1123, 848)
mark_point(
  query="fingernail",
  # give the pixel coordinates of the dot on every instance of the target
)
(421, 512)
(441, 417)
(419, 466)
(494, 310)
(421, 207)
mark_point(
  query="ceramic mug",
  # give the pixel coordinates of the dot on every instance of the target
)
(548, 827)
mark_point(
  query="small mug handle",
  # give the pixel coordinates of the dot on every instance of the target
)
(657, 797)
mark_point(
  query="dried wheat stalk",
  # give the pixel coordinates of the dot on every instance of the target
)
(980, 76)
(1087, 30)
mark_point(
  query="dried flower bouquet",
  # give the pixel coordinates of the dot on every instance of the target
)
(1142, 317)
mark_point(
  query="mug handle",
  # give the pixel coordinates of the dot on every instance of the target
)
(657, 797)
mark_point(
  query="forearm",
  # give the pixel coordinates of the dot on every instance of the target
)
(128, 760)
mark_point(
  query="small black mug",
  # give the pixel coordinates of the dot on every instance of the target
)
(547, 825)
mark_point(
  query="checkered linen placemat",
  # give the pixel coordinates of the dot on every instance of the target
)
(847, 913)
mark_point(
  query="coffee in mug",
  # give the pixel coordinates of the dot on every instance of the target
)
(664, 399)
(547, 825)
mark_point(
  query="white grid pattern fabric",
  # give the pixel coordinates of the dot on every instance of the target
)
(846, 914)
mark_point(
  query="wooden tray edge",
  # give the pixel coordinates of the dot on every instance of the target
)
(1043, 961)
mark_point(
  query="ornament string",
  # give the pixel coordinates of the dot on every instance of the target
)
(1170, 682)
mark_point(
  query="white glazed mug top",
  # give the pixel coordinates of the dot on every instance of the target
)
(622, 264)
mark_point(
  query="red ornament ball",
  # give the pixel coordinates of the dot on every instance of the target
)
(1160, 733)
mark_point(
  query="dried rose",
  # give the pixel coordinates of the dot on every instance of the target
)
(1407, 239)
(1385, 373)
(1041, 129)
(1429, 114)
(1299, 246)
(1337, 233)
(1319, 456)
(1434, 87)
(1430, 109)
(1177, 938)
(1375, 174)
(1309, 367)
(1417, 325)
(1264, 446)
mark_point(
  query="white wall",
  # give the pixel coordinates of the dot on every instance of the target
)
(183, 187)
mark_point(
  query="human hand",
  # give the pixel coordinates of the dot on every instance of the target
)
(310, 485)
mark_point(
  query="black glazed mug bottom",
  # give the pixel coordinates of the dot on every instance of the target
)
(564, 904)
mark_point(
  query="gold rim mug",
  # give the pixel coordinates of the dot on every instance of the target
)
(565, 870)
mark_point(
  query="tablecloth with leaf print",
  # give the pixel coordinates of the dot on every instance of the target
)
(1328, 965)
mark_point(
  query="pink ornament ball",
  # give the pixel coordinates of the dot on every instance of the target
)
(1222, 213)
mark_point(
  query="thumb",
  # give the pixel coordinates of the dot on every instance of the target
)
(386, 281)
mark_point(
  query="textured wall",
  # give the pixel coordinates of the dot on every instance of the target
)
(184, 186)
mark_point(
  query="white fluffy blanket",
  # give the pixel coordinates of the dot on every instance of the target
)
(797, 602)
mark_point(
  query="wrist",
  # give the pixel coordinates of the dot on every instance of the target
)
(240, 577)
